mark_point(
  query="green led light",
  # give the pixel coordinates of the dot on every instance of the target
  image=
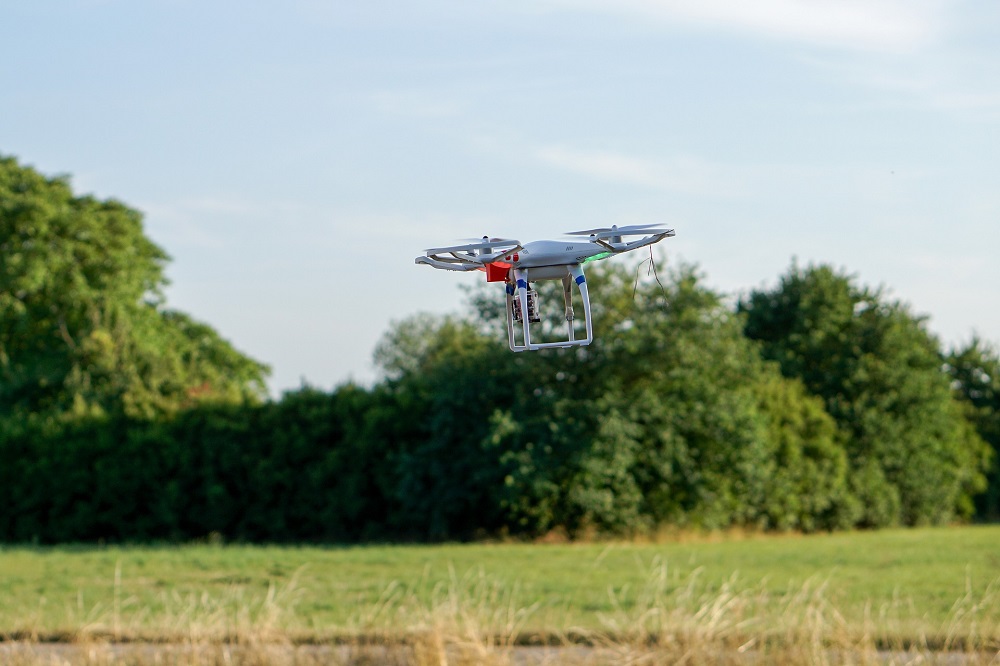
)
(597, 257)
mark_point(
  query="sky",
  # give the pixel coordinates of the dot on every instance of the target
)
(294, 158)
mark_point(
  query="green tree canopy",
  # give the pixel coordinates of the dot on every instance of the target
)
(85, 330)
(915, 459)
(669, 417)
(975, 372)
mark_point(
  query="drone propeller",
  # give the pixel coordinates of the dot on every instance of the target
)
(616, 231)
(487, 244)
(487, 239)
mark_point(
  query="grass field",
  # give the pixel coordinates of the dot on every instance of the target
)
(899, 590)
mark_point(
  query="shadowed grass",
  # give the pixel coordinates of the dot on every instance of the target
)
(473, 619)
(888, 597)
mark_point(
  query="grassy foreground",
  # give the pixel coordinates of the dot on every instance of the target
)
(902, 591)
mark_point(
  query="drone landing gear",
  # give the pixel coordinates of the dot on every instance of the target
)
(521, 298)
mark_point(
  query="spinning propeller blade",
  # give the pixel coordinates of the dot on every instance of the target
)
(627, 230)
(492, 244)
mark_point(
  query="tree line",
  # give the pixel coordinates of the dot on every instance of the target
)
(816, 404)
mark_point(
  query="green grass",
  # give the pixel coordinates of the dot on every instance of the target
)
(937, 587)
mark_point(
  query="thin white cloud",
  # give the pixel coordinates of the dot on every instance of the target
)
(879, 25)
(208, 222)
(935, 87)
(941, 79)
(415, 103)
(681, 174)
(957, 268)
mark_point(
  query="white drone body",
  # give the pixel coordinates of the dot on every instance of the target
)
(517, 265)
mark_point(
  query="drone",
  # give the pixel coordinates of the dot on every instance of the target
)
(518, 265)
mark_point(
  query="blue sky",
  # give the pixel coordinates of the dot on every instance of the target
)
(293, 158)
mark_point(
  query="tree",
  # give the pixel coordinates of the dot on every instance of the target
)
(723, 435)
(975, 372)
(669, 417)
(445, 380)
(914, 458)
(85, 330)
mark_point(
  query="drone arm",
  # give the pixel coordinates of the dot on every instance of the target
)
(500, 255)
(448, 264)
(464, 257)
(605, 244)
(642, 242)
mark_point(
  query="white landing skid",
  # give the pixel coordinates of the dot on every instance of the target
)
(519, 292)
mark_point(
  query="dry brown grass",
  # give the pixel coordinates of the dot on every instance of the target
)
(474, 619)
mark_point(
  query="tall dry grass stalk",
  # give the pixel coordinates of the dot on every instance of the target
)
(236, 615)
(477, 619)
(734, 623)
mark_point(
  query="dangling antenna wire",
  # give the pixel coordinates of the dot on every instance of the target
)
(652, 265)
(652, 268)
